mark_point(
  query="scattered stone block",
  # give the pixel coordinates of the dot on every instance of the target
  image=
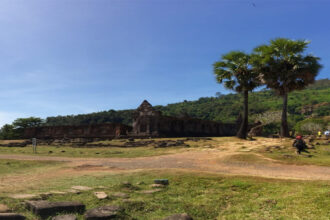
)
(105, 212)
(150, 191)
(11, 216)
(101, 195)
(55, 192)
(157, 186)
(45, 208)
(74, 191)
(4, 208)
(161, 181)
(23, 196)
(65, 217)
(82, 188)
(120, 195)
(183, 216)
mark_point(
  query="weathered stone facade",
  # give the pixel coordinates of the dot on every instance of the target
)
(149, 122)
(110, 130)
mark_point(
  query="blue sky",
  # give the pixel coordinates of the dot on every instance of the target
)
(61, 57)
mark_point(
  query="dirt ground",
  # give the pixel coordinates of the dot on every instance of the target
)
(212, 160)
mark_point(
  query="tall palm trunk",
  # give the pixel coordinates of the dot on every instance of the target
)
(284, 122)
(242, 132)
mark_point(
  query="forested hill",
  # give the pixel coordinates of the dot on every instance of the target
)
(315, 100)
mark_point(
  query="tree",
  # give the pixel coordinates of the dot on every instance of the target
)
(7, 132)
(284, 67)
(235, 72)
(22, 123)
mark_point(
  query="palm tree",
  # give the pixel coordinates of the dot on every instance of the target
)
(284, 67)
(235, 72)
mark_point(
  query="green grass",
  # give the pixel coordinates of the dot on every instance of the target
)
(108, 152)
(318, 156)
(202, 196)
(98, 152)
(17, 167)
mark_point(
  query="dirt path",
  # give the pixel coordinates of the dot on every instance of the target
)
(211, 160)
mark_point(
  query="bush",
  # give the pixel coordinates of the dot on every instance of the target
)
(323, 110)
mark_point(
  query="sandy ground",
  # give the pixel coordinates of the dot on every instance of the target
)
(211, 160)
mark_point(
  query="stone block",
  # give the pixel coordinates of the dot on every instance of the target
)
(161, 181)
(82, 188)
(65, 217)
(11, 216)
(157, 186)
(105, 213)
(101, 195)
(45, 209)
(24, 196)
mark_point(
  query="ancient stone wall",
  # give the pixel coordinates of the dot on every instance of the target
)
(147, 122)
(82, 131)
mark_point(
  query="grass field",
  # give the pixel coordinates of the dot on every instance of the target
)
(200, 195)
(17, 167)
(129, 152)
(91, 152)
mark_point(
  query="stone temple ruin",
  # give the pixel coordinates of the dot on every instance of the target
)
(147, 122)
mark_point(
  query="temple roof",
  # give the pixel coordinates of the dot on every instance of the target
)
(145, 105)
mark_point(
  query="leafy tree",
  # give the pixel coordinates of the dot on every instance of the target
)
(284, 67)
(22, 123)
(235, 72)
(7, 132)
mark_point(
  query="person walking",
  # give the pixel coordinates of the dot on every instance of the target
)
(299, 144)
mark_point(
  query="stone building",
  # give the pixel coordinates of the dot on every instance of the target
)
(149, 122)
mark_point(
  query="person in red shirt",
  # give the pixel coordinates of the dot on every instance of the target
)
(299, 144)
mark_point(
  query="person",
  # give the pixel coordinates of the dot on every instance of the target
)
(327, 134)
(299, 144)
(319, 133)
